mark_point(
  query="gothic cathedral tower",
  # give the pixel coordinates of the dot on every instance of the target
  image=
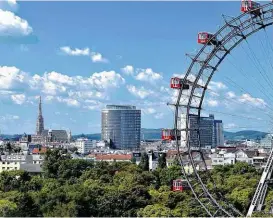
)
(40, 119)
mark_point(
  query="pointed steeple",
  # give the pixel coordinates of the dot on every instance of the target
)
(40, 119)
(40, 105)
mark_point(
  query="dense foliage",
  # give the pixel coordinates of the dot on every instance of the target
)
(73, 187)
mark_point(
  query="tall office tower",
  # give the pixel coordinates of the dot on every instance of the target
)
(211, 131)
(121, 125)
(218, 133)
(40, 119)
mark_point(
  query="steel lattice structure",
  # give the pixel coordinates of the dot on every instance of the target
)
(199, 74)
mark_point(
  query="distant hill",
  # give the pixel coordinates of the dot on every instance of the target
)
(147, 134)
(150, 134)
(94, 136)
(246, 134)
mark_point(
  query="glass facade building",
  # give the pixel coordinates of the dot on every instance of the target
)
(121, 125)
(211, 131)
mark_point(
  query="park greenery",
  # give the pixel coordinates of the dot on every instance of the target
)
(79, 188)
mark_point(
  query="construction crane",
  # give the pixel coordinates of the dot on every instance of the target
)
(261, 190)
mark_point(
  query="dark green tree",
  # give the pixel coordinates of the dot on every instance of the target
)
(144, 162)
(52, 162)
(162, 160)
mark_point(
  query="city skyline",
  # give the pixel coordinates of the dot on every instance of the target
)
(78, 66)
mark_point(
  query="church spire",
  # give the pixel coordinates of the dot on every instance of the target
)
(40, 119)
(40, 106)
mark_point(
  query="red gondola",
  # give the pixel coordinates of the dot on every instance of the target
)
(176, 83)
(169, 134)
(205, 37)
(249, 5)
(179, 185)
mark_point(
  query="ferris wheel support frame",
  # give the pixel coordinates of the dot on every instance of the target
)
(229, 36)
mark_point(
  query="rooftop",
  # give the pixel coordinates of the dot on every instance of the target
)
(120, 107)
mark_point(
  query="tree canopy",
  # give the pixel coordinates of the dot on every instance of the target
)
(73, 187)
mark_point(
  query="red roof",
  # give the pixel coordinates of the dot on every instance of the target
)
(114, 157)
(171, 153)
(37, 151)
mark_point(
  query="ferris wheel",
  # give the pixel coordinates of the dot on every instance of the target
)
(191, 91)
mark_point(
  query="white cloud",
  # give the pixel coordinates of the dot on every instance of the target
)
(86, 94)
(10, 24)
(231, 95)
(129, 70)
(10, 76)
(254, 101)
(12, 2)
(60, 78)
(75, 52)
(9, 117)
(97, 57)
(148, 75)
(18, 99)
(212, 102)
(149, 110)
(69, 101)
(217, 85)
(93, 105)
(49, 98)
(106, 79)
(141, 92)
(15, 117)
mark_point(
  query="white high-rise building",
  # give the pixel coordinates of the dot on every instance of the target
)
(84, 145)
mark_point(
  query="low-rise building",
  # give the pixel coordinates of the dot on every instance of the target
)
(231, 156)
(113, 157)
(29, 162)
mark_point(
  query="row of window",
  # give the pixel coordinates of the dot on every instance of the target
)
(3, 168)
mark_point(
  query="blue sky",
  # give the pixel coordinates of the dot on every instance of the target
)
(80, 56)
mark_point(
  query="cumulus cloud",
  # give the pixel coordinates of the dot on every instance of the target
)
(69, 101)
(254, 101)
(10, 76)
(10, 24)
(148, 75)
(53, 83)
(18, 99)
(217, 85)
(71, 90)
(60, 78)
(139, 92)
(129, 70)
(12, 2)
(86, 94)
(75, 52)
(97, 57)
(212, 102)
(93, 105)
(230, 94)
(149, 111)
(106, 79)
